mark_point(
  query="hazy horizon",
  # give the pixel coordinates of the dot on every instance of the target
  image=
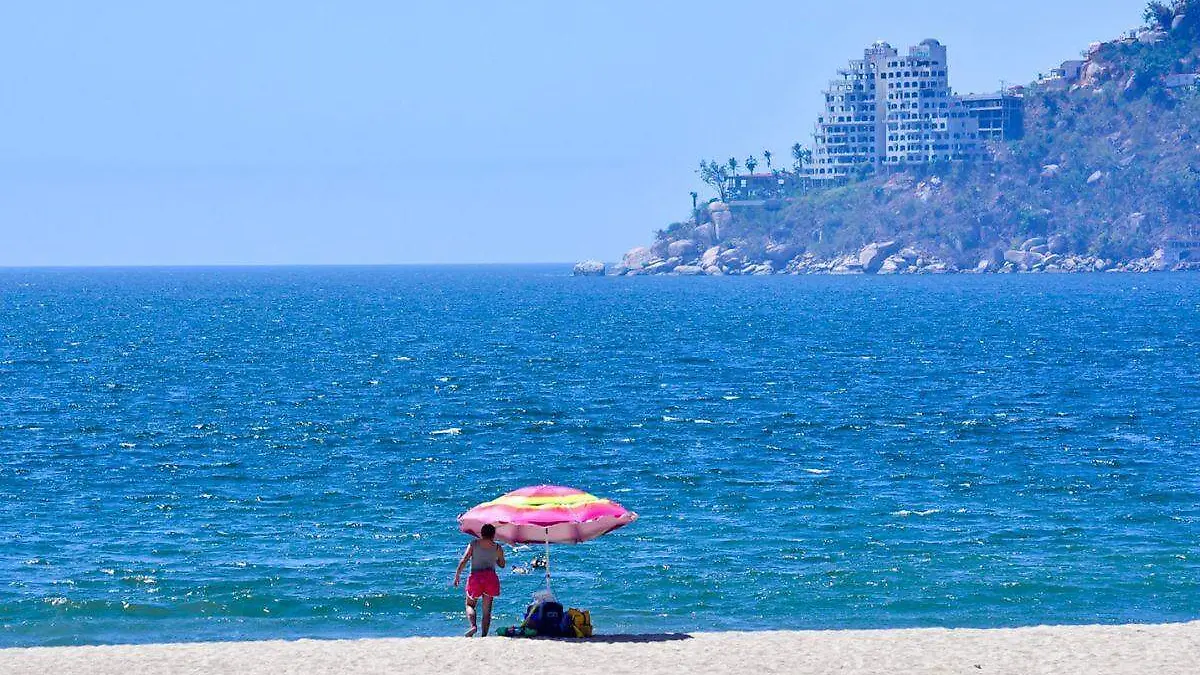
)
(285, 134)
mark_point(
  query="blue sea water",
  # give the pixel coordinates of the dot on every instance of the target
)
(198, 454)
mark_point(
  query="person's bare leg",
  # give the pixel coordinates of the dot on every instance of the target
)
(471, 618)
(487, 614)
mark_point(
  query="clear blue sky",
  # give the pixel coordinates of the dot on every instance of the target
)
(392, 132)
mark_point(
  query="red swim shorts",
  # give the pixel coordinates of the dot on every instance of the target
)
(483, 582)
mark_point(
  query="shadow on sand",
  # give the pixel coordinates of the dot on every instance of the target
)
(651, 637)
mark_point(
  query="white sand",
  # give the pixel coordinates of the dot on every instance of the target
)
(1095, 650)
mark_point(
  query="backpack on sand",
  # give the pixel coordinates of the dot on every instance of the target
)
(548, 619)
(578, 622)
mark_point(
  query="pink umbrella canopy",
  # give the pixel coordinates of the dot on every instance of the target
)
(547, 514)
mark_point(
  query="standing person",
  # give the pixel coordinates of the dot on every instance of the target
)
(485, 556)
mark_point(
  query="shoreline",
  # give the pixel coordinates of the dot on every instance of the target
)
(1164, 649)
(704, 256)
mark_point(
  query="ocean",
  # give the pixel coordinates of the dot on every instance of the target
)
(251, 453)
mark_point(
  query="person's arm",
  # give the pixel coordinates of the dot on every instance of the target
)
(500, 558)
(466, 556)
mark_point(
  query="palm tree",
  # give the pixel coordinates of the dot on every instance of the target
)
(733, 166)
(767, 156)
(694, 196)
(751, 163)
(802, 156)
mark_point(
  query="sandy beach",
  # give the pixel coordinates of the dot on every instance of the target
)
(1159, 649)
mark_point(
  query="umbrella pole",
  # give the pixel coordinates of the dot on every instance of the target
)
(547, 559)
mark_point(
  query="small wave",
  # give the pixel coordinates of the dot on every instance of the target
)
(452, 431)
(906, 513)
(702, 421)
(817, 472)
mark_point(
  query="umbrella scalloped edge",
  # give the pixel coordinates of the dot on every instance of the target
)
(547, 513)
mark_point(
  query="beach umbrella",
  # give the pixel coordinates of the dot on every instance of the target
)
(547, 514)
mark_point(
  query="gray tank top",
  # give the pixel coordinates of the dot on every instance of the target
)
(484, 555)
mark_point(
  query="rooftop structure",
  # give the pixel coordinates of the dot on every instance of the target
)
(1063, 76)
(1182, 251)
(1001, 116)
(757, 185)
(1181, 80)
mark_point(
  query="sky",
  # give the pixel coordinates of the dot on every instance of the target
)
(215, 133)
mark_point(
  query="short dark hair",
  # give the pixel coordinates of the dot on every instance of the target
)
(488, 531)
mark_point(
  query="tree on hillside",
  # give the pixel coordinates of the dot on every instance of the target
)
(801, 157)
(1159, 15)
(767, 157)
(715, 176)
(751, 163)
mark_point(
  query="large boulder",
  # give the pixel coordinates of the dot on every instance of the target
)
(588, 268)
(1051, 170)
(780, 254)
(711, 257)
(705, 235)
(1134, 85)
(893, 265)
(689, 270)
(684, 248)
(637, 258)
(1158, 261)
(992, 260)
(1092, 74)
(731, 256)
(1035, 241)
(660, 267)
(1151, 37)
(1022, 259)
(721, 219)
(871, 257)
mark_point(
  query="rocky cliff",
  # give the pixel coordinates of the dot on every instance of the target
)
(1106, 177)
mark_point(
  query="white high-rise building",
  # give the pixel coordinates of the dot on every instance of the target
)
(890, 110)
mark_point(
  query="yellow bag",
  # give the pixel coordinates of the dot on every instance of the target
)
(581, 622)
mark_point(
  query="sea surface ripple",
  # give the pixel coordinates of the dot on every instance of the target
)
(230, 453)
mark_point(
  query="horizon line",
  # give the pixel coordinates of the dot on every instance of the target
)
(5, 267)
